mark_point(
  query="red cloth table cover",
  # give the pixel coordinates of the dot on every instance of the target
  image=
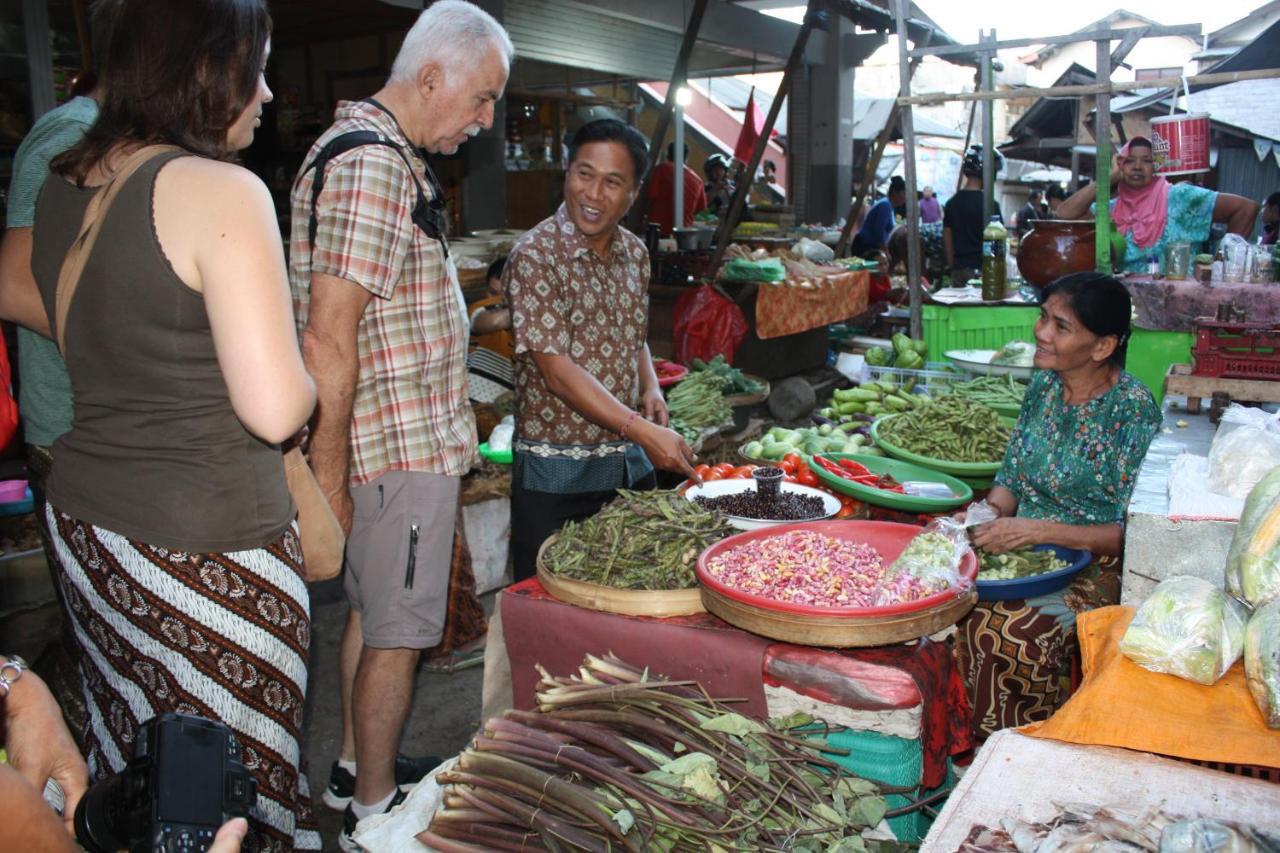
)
(789, 307)
(731, 663)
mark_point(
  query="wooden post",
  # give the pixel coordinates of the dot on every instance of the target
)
(988, 133)
(870, 169)
(1102, 162)
(744, 185)
(909, 167)
(968, 138)
(678, 75)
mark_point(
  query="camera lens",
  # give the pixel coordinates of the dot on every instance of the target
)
(100, 817)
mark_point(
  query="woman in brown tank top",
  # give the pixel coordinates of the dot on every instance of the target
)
(177, 557)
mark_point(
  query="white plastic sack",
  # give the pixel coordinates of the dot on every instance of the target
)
(813, 250)
(1246, 447)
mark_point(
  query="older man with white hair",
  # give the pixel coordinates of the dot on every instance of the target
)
(384, 333)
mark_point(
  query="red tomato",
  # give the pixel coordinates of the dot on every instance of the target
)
(724, 468)
(742, 472)
(795, 460)
(712, 476)
(806, 477)
(702, 470)
(788, 467)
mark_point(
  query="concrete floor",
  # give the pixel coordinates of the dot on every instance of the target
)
(446, 709)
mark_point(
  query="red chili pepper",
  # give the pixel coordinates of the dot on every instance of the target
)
(854, 467)
(831, 467)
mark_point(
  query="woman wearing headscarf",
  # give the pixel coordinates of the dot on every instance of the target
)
(1151, 212)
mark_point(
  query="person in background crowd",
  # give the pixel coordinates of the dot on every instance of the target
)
(1271, 219)
(962, 221)
(177, 558)
(385, 334)
(930, 210)
(1029, 213)
(1151, 212)
(44, 390)
(1053, 198)
(661, 193)
(490, 371)
(590, 417)
(873, 236)
(719, 187)
(765, 189)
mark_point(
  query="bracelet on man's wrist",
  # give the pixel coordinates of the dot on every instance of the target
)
(626, 425)
(10, 671)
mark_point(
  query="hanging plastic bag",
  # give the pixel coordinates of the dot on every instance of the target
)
(1187, 627)
(1245, 448)
(929, 564)
(707, 324)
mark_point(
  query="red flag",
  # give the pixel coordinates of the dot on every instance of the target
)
(752, 124)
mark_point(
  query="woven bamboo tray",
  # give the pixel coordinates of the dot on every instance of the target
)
(656, 603)
(838, 631)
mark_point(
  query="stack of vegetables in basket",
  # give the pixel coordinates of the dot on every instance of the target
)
(907, 354)
(850, 437)
(640, 540)
(616, 758)
(949, 428)
(871, 399)
(697, 402)
(1194, 629)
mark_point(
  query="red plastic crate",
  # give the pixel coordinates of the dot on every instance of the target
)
(1236, 350)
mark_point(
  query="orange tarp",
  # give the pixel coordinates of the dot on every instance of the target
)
(1121, 704)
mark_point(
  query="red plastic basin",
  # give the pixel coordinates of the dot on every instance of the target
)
(887, 537)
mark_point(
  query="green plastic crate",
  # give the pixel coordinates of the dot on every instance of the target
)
(894, 761)
(1150, 354)
(948, 327)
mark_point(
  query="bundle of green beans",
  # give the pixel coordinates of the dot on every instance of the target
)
(1018, 564)
(698, 400)
(640, 540)
(950, 428)
(992, 390)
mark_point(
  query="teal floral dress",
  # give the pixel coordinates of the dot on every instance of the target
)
(1188, 220)
(1077, 463)
(1072, 464)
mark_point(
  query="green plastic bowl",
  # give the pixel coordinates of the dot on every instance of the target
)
(946, 466)
(900, 471)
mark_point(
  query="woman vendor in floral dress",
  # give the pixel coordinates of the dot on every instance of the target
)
(1151, 212)
(1066, 479)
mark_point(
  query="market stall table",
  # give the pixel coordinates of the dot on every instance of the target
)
(1015, 776)
(1163, 312)
(787, 321)
(910, 690)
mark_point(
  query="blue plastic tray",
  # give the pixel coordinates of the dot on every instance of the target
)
(1008, 590)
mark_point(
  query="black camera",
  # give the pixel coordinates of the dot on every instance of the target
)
(185, 780)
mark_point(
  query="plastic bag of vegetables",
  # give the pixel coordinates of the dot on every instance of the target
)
(1262, 661)
(1253, 563)
(1188, 628)
(929, 564)
(1205, 835)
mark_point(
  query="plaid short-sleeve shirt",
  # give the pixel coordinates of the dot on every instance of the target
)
(411, 411)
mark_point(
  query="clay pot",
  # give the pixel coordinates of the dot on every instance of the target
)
(1056, 247)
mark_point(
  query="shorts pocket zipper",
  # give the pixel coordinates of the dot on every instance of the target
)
(413, 557)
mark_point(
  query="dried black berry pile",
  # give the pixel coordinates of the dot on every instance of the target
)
(786, 506)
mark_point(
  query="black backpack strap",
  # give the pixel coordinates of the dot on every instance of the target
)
(426, 215)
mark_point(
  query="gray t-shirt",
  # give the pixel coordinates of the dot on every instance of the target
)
(44, 391)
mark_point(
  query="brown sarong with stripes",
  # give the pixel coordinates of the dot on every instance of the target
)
(224, 636)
